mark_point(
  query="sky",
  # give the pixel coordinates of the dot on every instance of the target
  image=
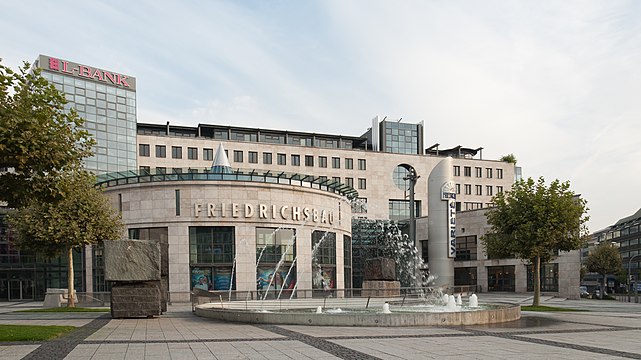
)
(556, 83)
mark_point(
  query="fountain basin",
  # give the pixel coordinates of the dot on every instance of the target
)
(281, 312)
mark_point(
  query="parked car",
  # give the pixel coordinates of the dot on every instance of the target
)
(583, 291)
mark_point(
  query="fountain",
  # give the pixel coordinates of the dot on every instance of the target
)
(422, 307)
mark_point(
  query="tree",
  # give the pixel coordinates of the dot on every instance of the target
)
(38, 137)
(80, 215)
(509, 158)
(533, 222)
(604, 259)
(42, 144)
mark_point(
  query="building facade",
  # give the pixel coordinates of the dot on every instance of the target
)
(174, 188)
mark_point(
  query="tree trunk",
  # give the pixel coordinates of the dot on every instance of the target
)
(537, 282)
(71, 302)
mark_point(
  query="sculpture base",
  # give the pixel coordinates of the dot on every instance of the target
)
(381, 288)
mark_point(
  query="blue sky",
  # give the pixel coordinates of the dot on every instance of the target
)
(557, 83)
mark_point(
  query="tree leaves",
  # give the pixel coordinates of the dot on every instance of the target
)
(38, 136)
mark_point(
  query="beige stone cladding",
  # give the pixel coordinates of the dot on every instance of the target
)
(475, 223)
(243, 205)
(376, 183)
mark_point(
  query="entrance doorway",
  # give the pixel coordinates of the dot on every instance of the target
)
(500, 278)
(16, 285)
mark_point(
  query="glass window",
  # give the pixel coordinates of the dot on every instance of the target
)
(457, 170)
(399, 210)
(349, 163)
(238, 156)
(296, 160)
(282, 159)
(479, 189)
(176, 152)
(349, 181)
(336, 163)
(143, 149)
(192, 153)
(362, 184)
(467, 171)
(466, 248)
(488, 173)
(252, 157)
(479, 172)
(359, 206)
(362, 165)
(549, 277)
(309, 160)
(499, 189)
(488, 190)
(458, 188)
(208, 154)
(161, 151)
(322, 161)
(267, 158)
(499, 173)
(468, 189)
(324, 261)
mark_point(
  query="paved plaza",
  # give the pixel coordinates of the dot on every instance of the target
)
(608, 330)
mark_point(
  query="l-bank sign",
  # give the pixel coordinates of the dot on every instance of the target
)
(86, 72)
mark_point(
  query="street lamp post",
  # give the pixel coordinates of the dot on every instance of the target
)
(636, 294)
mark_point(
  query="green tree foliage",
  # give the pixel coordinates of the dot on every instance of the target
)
(80, 215)
(57, 207)
(533, 222)
(604, 259)
(38, 137)
(509, 158)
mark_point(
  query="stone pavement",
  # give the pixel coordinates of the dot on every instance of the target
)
(609, 330)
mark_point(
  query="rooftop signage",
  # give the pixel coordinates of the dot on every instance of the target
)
(86, 72)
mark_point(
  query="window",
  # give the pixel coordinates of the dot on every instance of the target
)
(479, 172)
(466, 248)
(282, 159)
(499, 173)
(479, 189)
(488, 173)
(252, 157)
(399, 210)
(161, 170)
(336, 163)
(362, 183)
(549, 277)
(296, 160)
(499, 189)
(176, 170)
(143, 149)
(362, 165)
(309, 160)
(192, 153)
(488, 190)
(322, 161)
(468, 189)
(324, 244)
(349, 163)
(457, 170)
(467, 171)
(359, 206)
(238, 156)
(267, 158)
(458, 188)
(161, 151)
(336, 179)
(176, 152)
(349, 181)
(208, 154)
(272, 245)
(144, 169)
(473, 206)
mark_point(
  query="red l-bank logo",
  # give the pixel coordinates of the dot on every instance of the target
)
(88, 72)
